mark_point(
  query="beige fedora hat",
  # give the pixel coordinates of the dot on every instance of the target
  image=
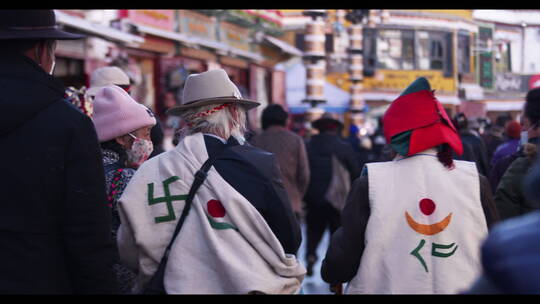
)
(210, 87)
(106, 76)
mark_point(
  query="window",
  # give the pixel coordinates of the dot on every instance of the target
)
(434, 51)
(503, 64)
(436, 55)
(395, 49)
(431, 50)
(463, 53)
(398, 49)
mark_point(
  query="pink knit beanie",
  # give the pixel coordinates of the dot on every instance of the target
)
(117, 114)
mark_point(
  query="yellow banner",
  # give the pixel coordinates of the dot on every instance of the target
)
(463, 13)
(398, 80)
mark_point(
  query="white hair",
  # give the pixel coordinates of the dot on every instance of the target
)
(224, 120)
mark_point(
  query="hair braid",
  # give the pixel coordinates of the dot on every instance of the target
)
(444, 155)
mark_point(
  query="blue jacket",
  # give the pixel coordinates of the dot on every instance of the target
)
(510, 257)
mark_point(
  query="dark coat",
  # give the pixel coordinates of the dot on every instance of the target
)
(290, 151)
(348, 242)
(54, 222)
(509, 197)
(320, 149)
(255, 174)
(499, 168)
(479, 150)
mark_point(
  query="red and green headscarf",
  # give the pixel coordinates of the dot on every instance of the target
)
(416, 121)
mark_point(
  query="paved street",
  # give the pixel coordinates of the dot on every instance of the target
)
(314, 284)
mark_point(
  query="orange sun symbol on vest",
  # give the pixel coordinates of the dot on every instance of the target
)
(427, 207)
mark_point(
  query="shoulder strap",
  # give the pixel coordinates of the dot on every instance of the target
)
(200, 176)
(156, 283)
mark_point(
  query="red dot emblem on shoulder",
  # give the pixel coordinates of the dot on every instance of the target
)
(215, 208)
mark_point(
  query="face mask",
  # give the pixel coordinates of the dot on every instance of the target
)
(139, 152)
(52, 67)
(51, 54)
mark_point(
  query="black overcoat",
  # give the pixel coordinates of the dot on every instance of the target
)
(54, 221)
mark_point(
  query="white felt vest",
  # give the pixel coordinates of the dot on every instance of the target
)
(425, 248)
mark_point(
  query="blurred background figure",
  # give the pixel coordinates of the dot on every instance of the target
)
(470, 137)
(509, 196)
(378, 142)
(157, 137)
(326, 152)
(493, 136)
(105, 76)
(510, 145)
(77, 97)
(290, 152)
(360, 143)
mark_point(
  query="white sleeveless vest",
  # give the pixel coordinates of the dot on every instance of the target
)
(425, 228)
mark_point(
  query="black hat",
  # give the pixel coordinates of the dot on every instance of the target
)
(274, 114)
(31, 24)
(327, 123)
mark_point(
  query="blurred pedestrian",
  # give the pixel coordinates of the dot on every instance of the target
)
(413, 225)
(333, 167)
(473, 139)
(379, 142)
(240, 232)
(510, 253)
(511, 145)
(290, 152)
(77, 97)
(494, 136)
(113, 75)
(106, 76)
(361, 145)
(157, 135)
(123, 128)
(509, 197)
(54, 221)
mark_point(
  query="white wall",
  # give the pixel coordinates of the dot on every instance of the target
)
(532, 53)
(513, 31)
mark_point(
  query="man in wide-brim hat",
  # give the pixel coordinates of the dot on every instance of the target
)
(327, 123)
(333, 167)
(55, 223)
(414, 224)
(241, 233)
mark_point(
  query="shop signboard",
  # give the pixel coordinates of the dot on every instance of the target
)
(235, 36)
(398, 80)
(161, 19)
(508, 82)
(197, 24)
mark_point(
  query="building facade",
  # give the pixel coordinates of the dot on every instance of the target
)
(158, 49)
